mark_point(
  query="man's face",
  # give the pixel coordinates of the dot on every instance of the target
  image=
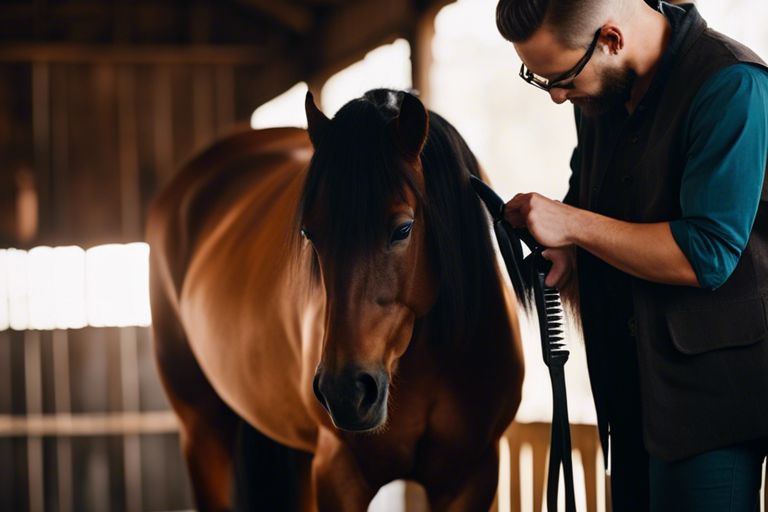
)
(603, 83)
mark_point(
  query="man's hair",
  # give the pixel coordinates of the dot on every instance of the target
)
(572, 21)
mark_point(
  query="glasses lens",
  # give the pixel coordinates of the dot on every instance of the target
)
(533, 78)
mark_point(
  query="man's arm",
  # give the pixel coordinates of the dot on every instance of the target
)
(727, 143)
(647, 251)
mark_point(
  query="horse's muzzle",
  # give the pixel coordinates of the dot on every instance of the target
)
(355, 398)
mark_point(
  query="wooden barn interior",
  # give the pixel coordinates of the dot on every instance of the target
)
(100, 102)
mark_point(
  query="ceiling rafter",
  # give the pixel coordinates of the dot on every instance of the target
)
(295, 17)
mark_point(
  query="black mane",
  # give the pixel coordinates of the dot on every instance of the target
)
(357, 169)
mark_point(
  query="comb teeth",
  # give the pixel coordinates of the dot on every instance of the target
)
(553, 311)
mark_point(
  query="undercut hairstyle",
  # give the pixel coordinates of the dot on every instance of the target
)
(573, 22)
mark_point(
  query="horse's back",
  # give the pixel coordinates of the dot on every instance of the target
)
(224, 228)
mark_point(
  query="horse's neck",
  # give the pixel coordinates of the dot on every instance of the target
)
(495, 322)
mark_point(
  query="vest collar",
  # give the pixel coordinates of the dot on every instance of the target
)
(687, 25)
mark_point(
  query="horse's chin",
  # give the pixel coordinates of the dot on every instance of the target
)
(360, 426)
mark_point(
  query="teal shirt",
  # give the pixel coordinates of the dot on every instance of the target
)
(726, 134)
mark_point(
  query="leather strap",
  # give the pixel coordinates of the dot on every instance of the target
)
(560, 444)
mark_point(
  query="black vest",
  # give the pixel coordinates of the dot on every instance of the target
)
(702, 355)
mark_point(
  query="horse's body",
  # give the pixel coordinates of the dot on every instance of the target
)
(240, 327)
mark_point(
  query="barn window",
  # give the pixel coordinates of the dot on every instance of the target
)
(69, 287)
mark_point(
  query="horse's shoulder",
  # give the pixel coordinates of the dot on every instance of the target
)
(178, 215)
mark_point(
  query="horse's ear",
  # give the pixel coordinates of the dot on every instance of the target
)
(410, 127)
(317, 122)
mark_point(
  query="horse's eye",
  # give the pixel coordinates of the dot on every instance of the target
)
(306, 234)
(401, 232)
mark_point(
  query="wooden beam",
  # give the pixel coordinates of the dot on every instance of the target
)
(420, 41)
(130, 54)
(384, 22)
(97, 424)
(294, 17)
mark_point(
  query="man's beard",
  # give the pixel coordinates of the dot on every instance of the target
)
(616, 88)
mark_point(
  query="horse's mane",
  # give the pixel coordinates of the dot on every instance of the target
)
(357, 170)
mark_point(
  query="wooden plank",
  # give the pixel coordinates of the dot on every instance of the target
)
(203, 101)
(127, 155)
(16, 155)
(132, 54)
(225, 105)
(89, 368)
(34, 403)
(129, 373)
(8, 485)
(56, 212)
(163, 124)
(6, 371)
(88, 424)
(62, 405)
(93, 188)
(152, 394)
(90, 455)
(181, 101)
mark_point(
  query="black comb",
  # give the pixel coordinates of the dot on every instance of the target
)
(527, 276)
(555, 354)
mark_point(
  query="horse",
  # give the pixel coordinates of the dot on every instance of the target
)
(331, 297)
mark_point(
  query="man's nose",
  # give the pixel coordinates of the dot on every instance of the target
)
(558, 95)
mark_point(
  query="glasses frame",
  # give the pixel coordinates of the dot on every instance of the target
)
(565, 80)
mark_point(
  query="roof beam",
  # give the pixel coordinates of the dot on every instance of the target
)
(154, 54)
(292, 16)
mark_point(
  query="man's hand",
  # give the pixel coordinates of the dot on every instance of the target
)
(644, 250)
(563, 266)
(548, 221)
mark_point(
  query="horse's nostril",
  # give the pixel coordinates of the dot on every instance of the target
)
(367, 391)
(318, 394)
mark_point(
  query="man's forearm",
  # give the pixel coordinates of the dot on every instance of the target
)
(647, 251)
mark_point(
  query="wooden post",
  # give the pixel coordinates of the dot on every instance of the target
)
(420, 40)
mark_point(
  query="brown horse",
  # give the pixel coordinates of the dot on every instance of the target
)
(337, 290)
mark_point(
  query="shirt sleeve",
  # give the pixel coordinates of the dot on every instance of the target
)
(727, 139)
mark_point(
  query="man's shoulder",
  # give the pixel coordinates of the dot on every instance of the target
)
(719, 47)
(740, 82)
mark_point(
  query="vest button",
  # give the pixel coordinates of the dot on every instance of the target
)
(626, 179)
(632, 326)
(634, 139)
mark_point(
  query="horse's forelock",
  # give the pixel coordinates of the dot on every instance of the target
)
(353, 176)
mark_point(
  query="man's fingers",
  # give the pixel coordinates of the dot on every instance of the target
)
(516, 210)
(560, 272)
(554, 277)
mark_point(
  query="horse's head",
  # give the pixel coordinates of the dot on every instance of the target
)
(362, 212)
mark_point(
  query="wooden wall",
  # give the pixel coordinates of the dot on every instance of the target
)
(100, 102)
(100, 138)
(98, 135)
(96, 432)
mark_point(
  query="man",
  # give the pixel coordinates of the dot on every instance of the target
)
(666, 225)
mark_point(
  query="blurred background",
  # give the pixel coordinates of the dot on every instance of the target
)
(101, 101)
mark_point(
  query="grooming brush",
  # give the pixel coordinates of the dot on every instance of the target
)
(528, 274)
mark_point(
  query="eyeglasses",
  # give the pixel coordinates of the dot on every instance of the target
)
(565, 80)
